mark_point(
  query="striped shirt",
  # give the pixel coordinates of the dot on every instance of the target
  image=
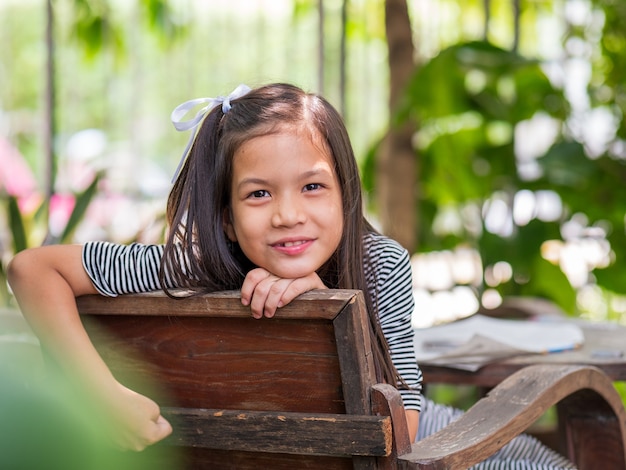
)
(122, 269)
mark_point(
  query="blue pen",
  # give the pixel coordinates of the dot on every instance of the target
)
(562, 349)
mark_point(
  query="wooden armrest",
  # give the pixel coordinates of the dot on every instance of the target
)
(515, 404)
(281, 432)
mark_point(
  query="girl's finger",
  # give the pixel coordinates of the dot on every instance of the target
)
(300, 286)
(259, 296)
(274, 296)
(164, 428)
(252, 279)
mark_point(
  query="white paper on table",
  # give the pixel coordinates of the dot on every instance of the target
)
(479, 333)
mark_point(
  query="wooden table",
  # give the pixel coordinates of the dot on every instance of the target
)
(604, 347)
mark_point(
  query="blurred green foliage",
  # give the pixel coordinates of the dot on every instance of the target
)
(467, 97)
(461, 98)
(468, 102)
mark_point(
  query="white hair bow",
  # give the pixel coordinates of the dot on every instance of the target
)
(192, 124)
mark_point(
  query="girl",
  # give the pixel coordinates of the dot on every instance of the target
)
(268, 200)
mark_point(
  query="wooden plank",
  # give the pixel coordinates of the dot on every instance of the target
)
(212, 362)
(314, 304)
(386, 401)
(291, 433)
(196, 458)
(358, 373)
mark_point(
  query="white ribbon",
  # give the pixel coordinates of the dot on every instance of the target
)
(192, 124)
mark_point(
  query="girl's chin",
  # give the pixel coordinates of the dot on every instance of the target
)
(295, 273)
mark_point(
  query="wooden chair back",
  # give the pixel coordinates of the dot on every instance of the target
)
(294, 391)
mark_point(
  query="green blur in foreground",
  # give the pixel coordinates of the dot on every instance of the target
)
(45, 424)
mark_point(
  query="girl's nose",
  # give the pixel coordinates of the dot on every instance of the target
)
(288, 212)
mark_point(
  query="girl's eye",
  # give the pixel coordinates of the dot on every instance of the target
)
(312, 186)
(259, 194)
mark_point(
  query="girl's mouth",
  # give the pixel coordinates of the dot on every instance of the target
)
(292, 247)
(290, 244)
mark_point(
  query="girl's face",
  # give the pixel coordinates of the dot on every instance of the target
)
(286, 210)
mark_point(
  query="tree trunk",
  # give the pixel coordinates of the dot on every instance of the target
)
(50, 124)
(396, 175)
(342, 59)
(320, 47)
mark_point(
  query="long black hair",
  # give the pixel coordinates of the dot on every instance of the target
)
(198, 253)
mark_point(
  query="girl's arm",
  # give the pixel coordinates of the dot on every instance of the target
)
(413, 421)
(45, 282)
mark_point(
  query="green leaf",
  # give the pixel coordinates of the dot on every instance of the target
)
(82, 203)
(94, 29)
(550, 282)
(16, 225)
(566, 164)
(162, 21)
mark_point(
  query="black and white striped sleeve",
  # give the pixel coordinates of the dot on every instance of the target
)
(391, 273)
(122, 269)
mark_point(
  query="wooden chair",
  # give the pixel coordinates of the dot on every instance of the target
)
(299, 390)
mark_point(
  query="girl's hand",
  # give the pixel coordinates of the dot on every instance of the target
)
(135, 420)
(265, 293)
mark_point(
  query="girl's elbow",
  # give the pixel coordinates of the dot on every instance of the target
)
(18, 267)
(24, 268)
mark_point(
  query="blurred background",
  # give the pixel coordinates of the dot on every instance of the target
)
(490, 133)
